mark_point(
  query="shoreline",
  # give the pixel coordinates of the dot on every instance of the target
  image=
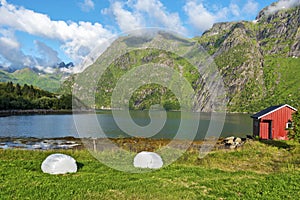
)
(132, 144)
(6, 113)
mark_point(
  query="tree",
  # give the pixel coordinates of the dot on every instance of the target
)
(10, 87)
(18, 89)
(294, 132)
(25, 90)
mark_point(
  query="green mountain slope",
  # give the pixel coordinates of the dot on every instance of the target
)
(49, 82)
(6, 77)
(150, 93)
(259, 62)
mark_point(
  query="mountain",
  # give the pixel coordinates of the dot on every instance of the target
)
(64, 65)
(259, 62)
(126, 54)
(46, 78)
(46, 81)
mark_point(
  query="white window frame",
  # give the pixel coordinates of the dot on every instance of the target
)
(289, 125)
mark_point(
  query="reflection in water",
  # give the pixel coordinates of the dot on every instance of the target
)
(52, 126)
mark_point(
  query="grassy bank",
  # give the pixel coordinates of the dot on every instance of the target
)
(259, 170)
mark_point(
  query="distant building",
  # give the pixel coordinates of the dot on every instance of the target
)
(273, 122)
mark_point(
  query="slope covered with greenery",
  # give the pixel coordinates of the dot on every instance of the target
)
(259, 62)
(28, 97)
(149, 94)
(45, 81)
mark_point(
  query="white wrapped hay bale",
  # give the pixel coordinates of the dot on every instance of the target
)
(146, 159)
(59, 164)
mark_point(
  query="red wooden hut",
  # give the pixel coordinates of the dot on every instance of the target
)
(273, 122)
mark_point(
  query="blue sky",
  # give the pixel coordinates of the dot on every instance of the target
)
(44, 32)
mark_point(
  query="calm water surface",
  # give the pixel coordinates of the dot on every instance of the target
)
(52, 126)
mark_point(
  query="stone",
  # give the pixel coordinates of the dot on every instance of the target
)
(149, 160)
(229, 138)
(59, 164)
(230, 142)
(238, 140)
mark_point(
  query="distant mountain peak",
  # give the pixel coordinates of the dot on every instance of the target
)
(280, 6)
(64, 65)
(23, 70)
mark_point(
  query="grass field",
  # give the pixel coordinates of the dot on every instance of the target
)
(258, 170)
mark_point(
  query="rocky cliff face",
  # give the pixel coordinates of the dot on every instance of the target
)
(279, 32)
(247, 55)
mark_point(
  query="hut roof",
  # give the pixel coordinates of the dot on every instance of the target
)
(270, 110)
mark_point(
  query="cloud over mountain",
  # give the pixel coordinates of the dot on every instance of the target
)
(281, 4)
(134, 14)
(72, 36)
(50, 39)
(202, 17)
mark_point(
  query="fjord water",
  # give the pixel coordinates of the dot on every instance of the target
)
(53, 126)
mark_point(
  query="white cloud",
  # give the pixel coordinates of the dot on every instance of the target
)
(73, 36)
(49, 57)
(10, 50)
(135, 14)
(202, 17)
(87, 5)
(250, 7)
(235, 9)
(49, 70)
(199, 16)
(282, 4)
(8, 38)
(159, 15)
(13, 55)
(126, 20)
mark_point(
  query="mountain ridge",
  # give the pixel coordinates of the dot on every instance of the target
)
(33, 76)
(259, 62)
(253, 58)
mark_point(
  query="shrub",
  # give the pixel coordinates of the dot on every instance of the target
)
(294, 133)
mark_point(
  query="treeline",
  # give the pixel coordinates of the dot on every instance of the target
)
(15, 96)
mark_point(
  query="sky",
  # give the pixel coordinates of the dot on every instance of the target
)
(41, 33)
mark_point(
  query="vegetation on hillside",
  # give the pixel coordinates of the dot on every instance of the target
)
(45, 81)
(15, 96)
(258, 61)
(148, 94)
(294, 132)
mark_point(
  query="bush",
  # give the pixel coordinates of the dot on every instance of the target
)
(294, 133)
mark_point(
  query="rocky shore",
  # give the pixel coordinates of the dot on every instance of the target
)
(100, 144)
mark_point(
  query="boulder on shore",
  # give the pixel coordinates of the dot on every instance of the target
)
(232, 142)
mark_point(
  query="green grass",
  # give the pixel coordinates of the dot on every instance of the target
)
(260, 170)
(280, 84)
